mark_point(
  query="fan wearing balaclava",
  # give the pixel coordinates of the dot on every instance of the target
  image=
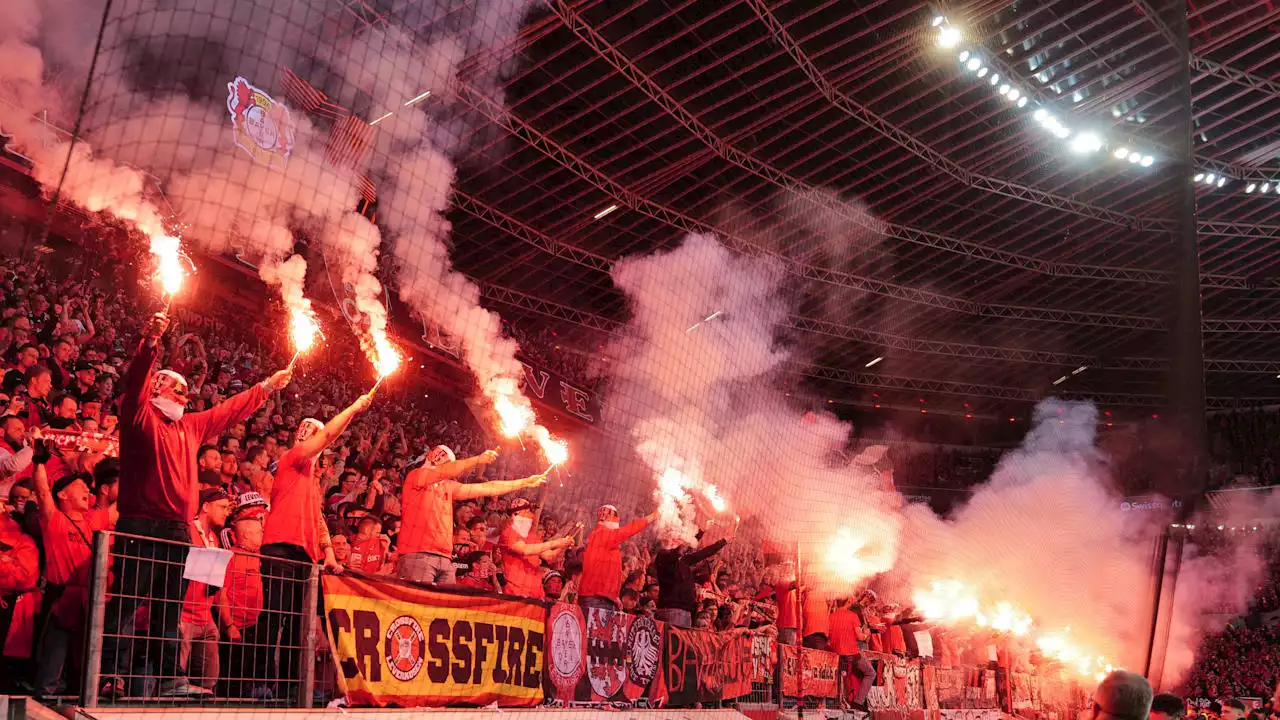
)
(159, 442)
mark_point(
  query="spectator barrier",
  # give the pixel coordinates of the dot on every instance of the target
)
(396, 644)
(158, 605)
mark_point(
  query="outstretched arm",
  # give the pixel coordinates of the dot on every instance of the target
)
(213, 422)
(520, 547)
(451, 470)
(313, 445)
(494, 488)
(44, 493)
(137, 379)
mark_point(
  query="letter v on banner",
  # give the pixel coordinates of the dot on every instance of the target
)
(535, 380)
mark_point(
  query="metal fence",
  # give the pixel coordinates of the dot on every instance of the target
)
(172, 622)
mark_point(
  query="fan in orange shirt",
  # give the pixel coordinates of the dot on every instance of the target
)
(426, 533)
(524, 550)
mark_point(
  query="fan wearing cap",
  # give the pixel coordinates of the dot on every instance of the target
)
(158, 499)
(242, 598)
(523, 550)
(67, 524)
(84, 379)
(295, 532)
(426, 533)
(602, 561)
(199, 646)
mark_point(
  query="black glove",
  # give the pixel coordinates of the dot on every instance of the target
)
(41, 453)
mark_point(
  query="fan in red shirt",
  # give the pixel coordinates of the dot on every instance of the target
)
(19, 599)
(602, 561)
(523, 551)
(426, 532)
(199, 632)
(295, 535)
(158, 496)
(784, 590)
(241, 602)
(849, 635)
(368, 546)
(67, 524)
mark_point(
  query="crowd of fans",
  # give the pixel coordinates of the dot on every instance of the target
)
(220, 448)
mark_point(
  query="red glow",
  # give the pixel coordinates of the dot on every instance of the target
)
(877, 405)
(967, 416)
(923, 411)
(1011, 419)
(1155, 416)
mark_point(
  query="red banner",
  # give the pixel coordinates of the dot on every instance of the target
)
(814, 673)
(707, 667)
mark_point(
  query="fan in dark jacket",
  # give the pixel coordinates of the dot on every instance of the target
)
(677, 589)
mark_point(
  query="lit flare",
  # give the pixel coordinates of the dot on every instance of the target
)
(954, 602)
(168, 252)
(303, 328)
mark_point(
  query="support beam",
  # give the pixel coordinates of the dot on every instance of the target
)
(480, 102)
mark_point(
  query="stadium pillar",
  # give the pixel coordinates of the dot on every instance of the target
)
(1186, 346)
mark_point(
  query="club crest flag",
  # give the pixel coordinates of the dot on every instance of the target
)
(261, 126)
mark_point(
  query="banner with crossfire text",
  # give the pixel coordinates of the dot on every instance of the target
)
(406, 646)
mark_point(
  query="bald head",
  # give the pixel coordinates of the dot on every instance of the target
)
(1122, 696)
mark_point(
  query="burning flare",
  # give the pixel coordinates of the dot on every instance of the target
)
(845, 556)
(514, 417)
(953, 602)
(303, 327)
(713, 496)
(168, 252)
(385, 360)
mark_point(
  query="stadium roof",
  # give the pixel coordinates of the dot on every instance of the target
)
(931, 220)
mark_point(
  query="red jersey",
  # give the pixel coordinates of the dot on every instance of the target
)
(296, 517)
(366, 555)
(19, 576)
(843, 636)
(68, 545)
(161, 454)
(522, 572)
(602, 560)
(785, 596)
(244, 589)
(816, 617)
(427, 522)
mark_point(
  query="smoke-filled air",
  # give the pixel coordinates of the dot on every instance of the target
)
(700, 424)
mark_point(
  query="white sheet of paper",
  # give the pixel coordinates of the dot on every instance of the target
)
(924, 643)
(207, 565)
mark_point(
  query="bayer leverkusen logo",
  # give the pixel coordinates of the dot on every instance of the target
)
(405, 647)
(261, 125)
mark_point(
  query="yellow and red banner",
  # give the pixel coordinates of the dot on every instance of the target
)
(396, 644)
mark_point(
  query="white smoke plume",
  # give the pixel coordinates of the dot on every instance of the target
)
(692, 384)
(419, 140)
(1047, 535)
(158, 122)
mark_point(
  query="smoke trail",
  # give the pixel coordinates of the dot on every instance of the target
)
(409, 80)
(693, 386)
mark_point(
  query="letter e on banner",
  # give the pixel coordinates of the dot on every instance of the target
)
(575, 401)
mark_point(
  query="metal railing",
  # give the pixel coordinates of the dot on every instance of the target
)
(156, 632)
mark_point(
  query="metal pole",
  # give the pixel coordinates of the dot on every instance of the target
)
(310, 606)
(101, 563)
(1186, 390)
(799, 637)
